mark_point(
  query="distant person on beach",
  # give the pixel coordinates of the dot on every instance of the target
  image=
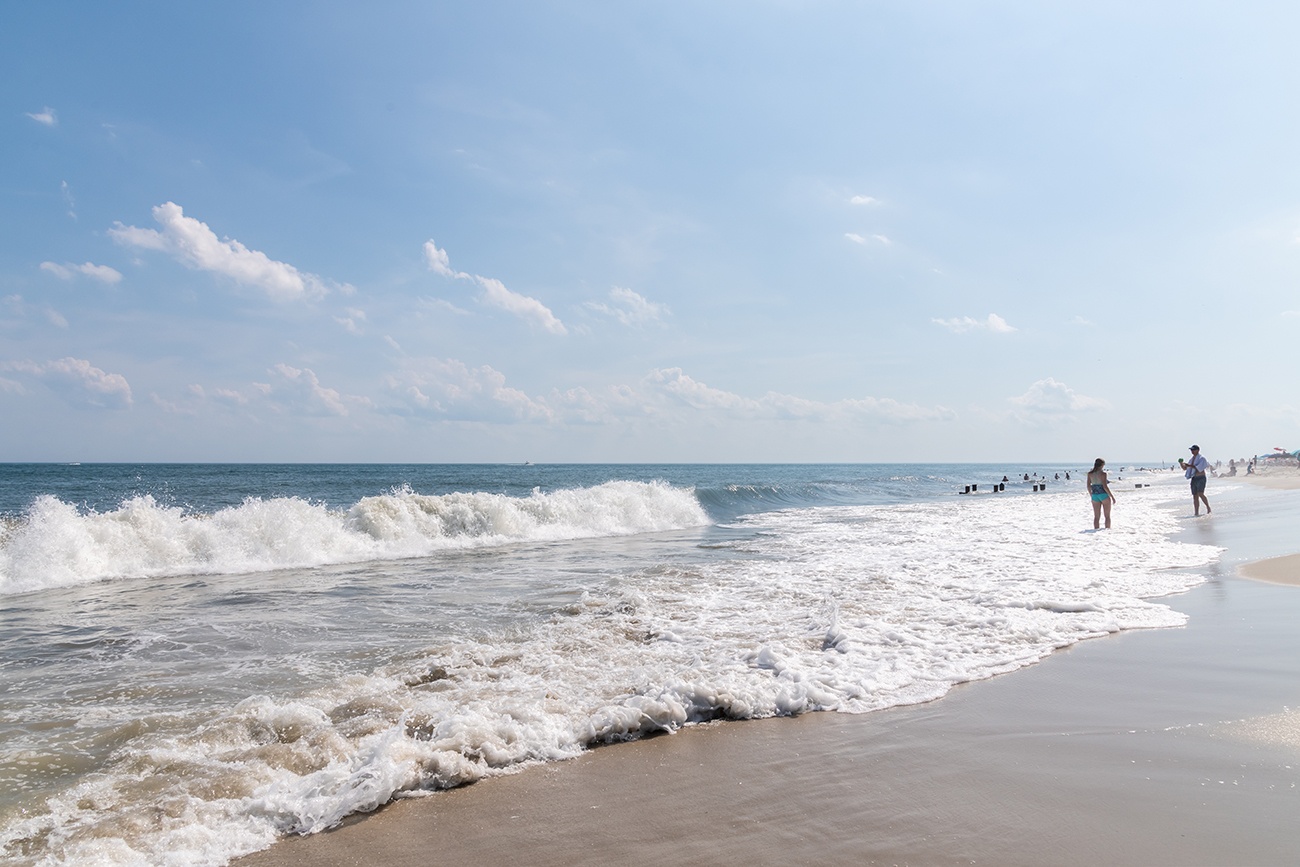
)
(1195, 470)
(1100, 494)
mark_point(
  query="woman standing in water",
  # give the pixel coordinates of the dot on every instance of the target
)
(1100, 493)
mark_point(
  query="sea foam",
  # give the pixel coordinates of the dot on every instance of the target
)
(849, 609)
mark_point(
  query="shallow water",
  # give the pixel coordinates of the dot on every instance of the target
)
(183, 683)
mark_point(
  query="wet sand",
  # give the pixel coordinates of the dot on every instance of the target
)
(1152, 747)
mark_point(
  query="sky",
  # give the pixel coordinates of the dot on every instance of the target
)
(649, 232)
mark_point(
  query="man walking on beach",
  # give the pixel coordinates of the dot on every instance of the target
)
(1195, 470)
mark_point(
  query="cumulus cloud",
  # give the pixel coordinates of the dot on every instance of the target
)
(629, 308)
(528, 309)
(67, 271)
(300, 389)
(960, 325)
(1050, 400)
(440, 262)
(289, 390)
(495, 292)
(864, 200)
(196, 246)
(676, 384)
(45, 117)
(77, 381)
(449, 388)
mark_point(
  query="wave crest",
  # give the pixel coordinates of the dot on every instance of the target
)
(56, 545)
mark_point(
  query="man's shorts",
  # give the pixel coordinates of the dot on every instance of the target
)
(1198, 484)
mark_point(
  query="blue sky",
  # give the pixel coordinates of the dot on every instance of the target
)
(760, 231)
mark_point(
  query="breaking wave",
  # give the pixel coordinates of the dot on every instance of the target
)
(56, 545)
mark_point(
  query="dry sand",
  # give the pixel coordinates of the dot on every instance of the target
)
(1154, 747)
(1275, 570)
(1279, 478)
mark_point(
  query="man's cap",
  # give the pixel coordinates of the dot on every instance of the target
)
(1193, 448)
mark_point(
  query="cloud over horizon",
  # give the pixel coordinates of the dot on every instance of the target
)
(962, 324)
(78, 381)
(1048, 400)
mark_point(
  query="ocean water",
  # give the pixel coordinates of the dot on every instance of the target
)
(196, 660)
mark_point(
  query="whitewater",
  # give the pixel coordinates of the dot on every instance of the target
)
(198, 662)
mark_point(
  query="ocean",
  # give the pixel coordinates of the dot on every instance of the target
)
(198, 659)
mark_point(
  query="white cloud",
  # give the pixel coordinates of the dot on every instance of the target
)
(45, 117)
(855, 237)
(775, 406)
(863, 239)
(300, 389)
(440, 262)
(195, 245)
(495, 292)
(450, 388)
(291, 390)
(882, 239)
(1049, 400)
(675, 382)
(444, 304)
(864, 200)
(959, 325)
(351, 320)
(78, 381)
(629, 308)
(530, 309)
(67, 271)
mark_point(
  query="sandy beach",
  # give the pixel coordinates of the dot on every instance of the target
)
(1173, 746)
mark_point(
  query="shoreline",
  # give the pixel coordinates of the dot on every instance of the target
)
(1171, 746)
